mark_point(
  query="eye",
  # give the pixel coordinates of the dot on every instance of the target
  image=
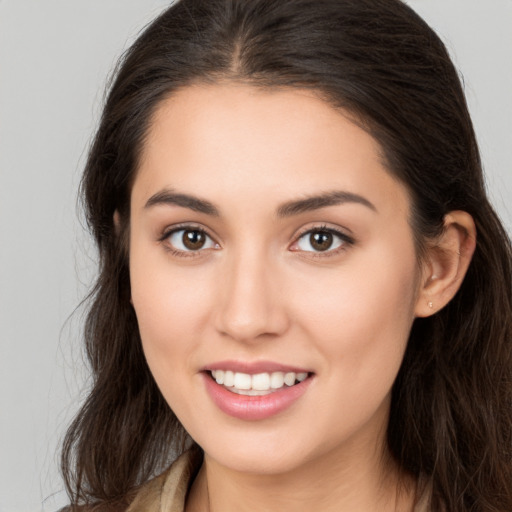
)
(189, 240)
(321, 240)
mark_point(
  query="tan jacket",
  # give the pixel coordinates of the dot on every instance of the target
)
(167, 492)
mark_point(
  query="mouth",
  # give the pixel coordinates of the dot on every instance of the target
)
(255, 391)
(259, 384)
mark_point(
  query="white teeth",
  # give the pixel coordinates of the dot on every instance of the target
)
(229, 378)
(261, 382)
(257, 384)
(219, 376)
(242, 381)
(249, 392)
(277, 380)
(289, 379)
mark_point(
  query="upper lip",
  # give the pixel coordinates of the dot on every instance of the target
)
(254, 367)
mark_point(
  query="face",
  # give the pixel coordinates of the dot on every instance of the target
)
(273, 275)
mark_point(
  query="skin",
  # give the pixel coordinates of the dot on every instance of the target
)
(257, 290)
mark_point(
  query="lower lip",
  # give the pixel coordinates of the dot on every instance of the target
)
(253, 408)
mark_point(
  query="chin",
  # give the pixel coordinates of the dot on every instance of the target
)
(259, 461)
(269, 453)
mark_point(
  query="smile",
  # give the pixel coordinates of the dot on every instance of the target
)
(259, 384)
(255, 394)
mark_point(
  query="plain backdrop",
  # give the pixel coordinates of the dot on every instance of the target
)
(55, 56)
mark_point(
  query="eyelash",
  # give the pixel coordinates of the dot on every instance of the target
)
(346, 241)
(183, 227)
(343, 237)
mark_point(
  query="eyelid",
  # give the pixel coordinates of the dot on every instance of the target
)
(169, 230)
(347, 240)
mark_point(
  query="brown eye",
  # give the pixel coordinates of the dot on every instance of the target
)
(321, 240)
(193, 239)
(190, 240)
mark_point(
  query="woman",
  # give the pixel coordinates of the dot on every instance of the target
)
(301, 278)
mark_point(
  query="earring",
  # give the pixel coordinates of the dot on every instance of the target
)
(430, 305)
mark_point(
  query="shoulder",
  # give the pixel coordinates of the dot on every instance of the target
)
(99, 507)
(424, 494)
(169, 490)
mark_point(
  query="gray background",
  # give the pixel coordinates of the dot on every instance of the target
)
(54, 58)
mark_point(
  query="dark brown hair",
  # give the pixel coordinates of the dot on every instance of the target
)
(451, 412)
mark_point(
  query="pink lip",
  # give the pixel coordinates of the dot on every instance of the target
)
(252, 408)
(254, 367)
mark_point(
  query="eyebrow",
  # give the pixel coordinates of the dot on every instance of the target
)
(288, 209)
(168, 197)
(322, 201)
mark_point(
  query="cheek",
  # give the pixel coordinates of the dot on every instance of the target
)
(171, 306)
(360, 315)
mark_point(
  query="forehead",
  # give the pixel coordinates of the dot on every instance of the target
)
(235, 141)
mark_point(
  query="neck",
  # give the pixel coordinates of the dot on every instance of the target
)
(335, 482)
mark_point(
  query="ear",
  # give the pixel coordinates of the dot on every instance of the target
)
(446, 263)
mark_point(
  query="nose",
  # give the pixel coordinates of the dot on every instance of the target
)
(252, 304)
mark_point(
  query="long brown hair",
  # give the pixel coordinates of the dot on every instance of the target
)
(451, 412)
